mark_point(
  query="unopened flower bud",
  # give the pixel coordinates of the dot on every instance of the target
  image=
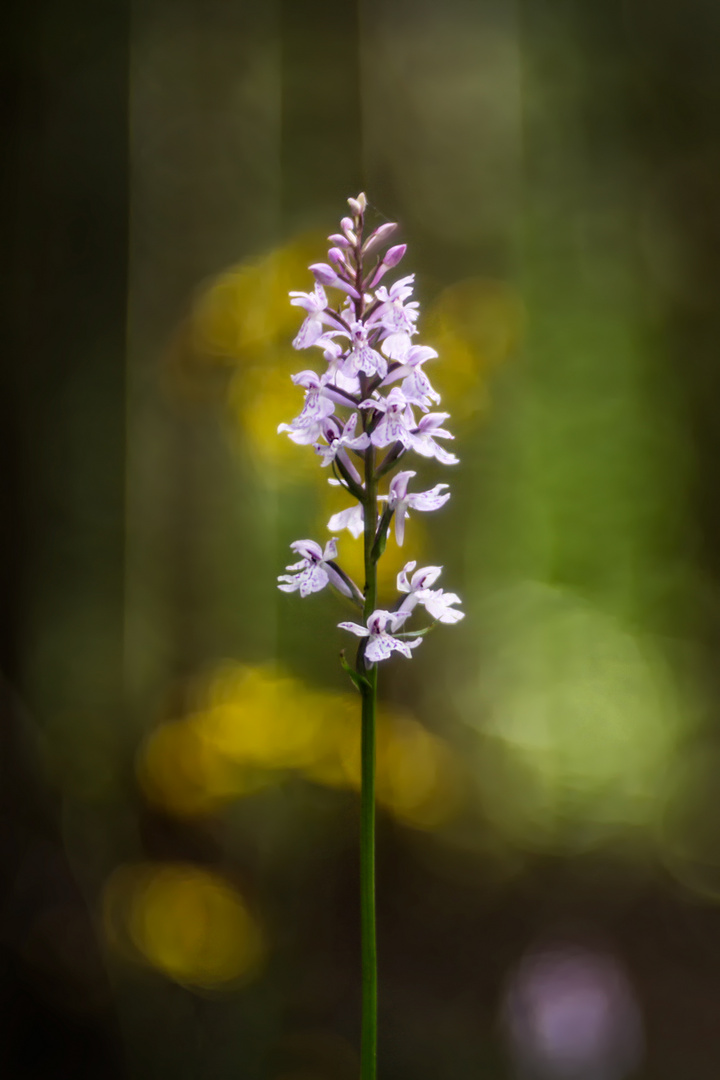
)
(379, 237)
(393, 255)
(348, 225)
(339, 240)
(337, 256)
(324, 273)
(358, 205)
(390, 259)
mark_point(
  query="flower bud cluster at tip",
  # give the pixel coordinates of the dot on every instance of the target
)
(372, 395)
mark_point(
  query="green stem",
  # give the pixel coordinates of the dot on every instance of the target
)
(368, 691)
(368, 1055)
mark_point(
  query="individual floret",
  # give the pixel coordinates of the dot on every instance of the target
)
(315, 569)
(437, 603)
(380, 643)
(400, 500)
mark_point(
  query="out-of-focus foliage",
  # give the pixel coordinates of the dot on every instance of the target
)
(690, 829)
(585, 718)
(474, 325)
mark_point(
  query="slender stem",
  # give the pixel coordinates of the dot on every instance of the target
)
(368, 1054)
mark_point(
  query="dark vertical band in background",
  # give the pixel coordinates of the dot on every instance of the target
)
(677, 114)
(65, 223)
(64, 241)
(321, 156)
(17, 108)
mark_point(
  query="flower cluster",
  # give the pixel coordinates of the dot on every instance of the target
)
(363, 414)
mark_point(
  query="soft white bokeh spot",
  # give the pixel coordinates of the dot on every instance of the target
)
(570, 1014)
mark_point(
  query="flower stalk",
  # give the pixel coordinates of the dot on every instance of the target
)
(375, 373)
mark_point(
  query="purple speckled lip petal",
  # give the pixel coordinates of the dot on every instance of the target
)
(429, 500)
(359, 631)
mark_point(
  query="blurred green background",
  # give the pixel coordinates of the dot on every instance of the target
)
(179, 749)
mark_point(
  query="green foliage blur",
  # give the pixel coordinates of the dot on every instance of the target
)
(180, 747)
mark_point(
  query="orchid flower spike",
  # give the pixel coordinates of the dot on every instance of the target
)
(360, 415)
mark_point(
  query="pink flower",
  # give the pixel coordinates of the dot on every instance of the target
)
(362, 357)
(398, 421)
(415, 386)
(437, 603)
(380, 643)
(339, 442)
(314, 303)
(394, 319)
(315, 569)
(423, 438)
(401, 501)
(308, 426)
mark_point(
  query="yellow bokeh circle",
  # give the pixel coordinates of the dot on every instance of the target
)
(184, 921)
